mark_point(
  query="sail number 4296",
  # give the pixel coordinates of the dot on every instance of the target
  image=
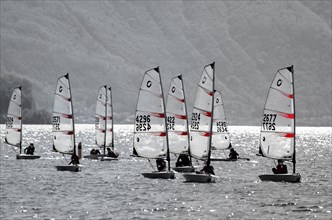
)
(269, 122)
(143, 123)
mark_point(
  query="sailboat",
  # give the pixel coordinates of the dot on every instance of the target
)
(103, 123)
(63, 122)
(177, 122)
(201, 124)
(220, 134)
(109, 133)
(150, 132)
(13, 135)
(277, 137)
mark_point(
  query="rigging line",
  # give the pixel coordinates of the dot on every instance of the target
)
(151, 164)
(14, 150)
(65, 158)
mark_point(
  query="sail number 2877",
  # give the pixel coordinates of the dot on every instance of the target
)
(269, 122)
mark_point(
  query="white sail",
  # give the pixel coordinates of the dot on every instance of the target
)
(109, 120)
(177, 122)
(201, 121)
(150, 134)
(63, 118)
(277, 129)
(220, 134)
(14, 119)
(100, 117)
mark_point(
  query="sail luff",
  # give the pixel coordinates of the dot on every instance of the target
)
(20, 88)
(186, 113)
(167, 144)
(111, 100)
(210, 139)
(72, 109)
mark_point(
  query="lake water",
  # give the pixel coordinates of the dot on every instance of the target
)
(117, 190)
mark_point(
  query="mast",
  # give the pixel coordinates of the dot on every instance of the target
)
(20, 88)
(291, 69)
(185, 110)
(112, 117)
(71, 105)
(167, 145)
(105, 124)
(212, 103)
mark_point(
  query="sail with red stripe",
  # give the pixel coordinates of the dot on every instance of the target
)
(150, 134)
(177, 121)
(63, 119)
(201, 120)
(100, 117)
(277, 139)
(14, 119)
(220, 134)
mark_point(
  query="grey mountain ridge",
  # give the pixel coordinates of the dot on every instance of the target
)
(115, 42)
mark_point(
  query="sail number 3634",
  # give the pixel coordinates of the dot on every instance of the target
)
(143, 123)
(269, 122)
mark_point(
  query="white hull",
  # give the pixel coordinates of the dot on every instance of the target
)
(72, 168)
(292, 178)
(27, 157)
(200, 177)
(184, 169)
(160, 175)
(108, 159)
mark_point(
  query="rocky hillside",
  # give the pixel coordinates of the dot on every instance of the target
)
(115, 42)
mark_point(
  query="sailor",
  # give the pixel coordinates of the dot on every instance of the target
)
(161, 164)
(111, 153)
(74, 159)
(208, 169)
(30, 149)
(183, 160)
(233, 154)
(281, 168)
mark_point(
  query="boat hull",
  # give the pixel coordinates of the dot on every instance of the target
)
(200, 177)
(229, 160)
(72, 168)
(184, 169)
(27, 157)
(108, 159)
(93, 156)
(292, 178)
(160, 175)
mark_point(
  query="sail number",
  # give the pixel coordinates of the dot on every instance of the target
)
(96, 122)
(56, 123)
(269, 122)
(9, 122)
(143, 123)
(221, 126)
(196, 117)
(171, 123)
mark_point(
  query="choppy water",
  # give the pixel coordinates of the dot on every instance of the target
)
(117, 190)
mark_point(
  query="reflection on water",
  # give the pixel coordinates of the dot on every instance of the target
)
(117, 190)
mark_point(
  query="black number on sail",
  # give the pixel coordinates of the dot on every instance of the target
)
(143, 122)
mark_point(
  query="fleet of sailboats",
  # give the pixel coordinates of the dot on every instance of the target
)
(13, 134)
(161, 130)
(277, 137)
